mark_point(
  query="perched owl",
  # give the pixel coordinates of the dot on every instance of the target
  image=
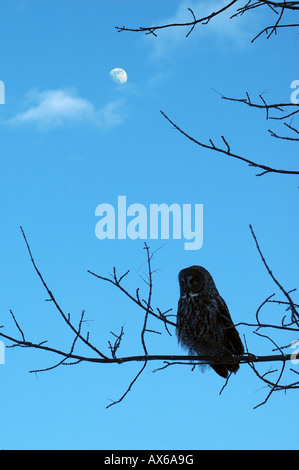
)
(204, 325)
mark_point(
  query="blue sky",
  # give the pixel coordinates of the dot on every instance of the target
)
(72, 139)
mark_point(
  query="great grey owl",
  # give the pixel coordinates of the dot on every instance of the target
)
(204, 324)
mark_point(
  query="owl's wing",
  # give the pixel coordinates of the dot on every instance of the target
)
(231, 335)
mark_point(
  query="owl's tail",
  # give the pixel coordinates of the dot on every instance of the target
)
(224, 369)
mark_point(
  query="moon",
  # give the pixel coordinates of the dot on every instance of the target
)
(118, 76)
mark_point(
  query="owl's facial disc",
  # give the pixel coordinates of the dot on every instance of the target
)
(194, 284)
(191, 283)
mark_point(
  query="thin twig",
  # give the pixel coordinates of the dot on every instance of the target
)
(136, 299)
(295, 315)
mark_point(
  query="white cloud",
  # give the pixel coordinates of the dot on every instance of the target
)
(112, 114)
(54, 108)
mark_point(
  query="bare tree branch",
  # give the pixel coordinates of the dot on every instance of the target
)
(278, 8)
(227, 151)
(294, 139)
(189, 24)
(202, 359)
(280, 107)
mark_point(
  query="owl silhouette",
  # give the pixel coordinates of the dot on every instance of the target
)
(204, 325)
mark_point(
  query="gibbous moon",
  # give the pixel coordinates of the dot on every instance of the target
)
(118, 76)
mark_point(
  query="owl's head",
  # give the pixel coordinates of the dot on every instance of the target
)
(192, 281)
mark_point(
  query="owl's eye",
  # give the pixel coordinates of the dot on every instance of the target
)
(193, 284)
(191, 281)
